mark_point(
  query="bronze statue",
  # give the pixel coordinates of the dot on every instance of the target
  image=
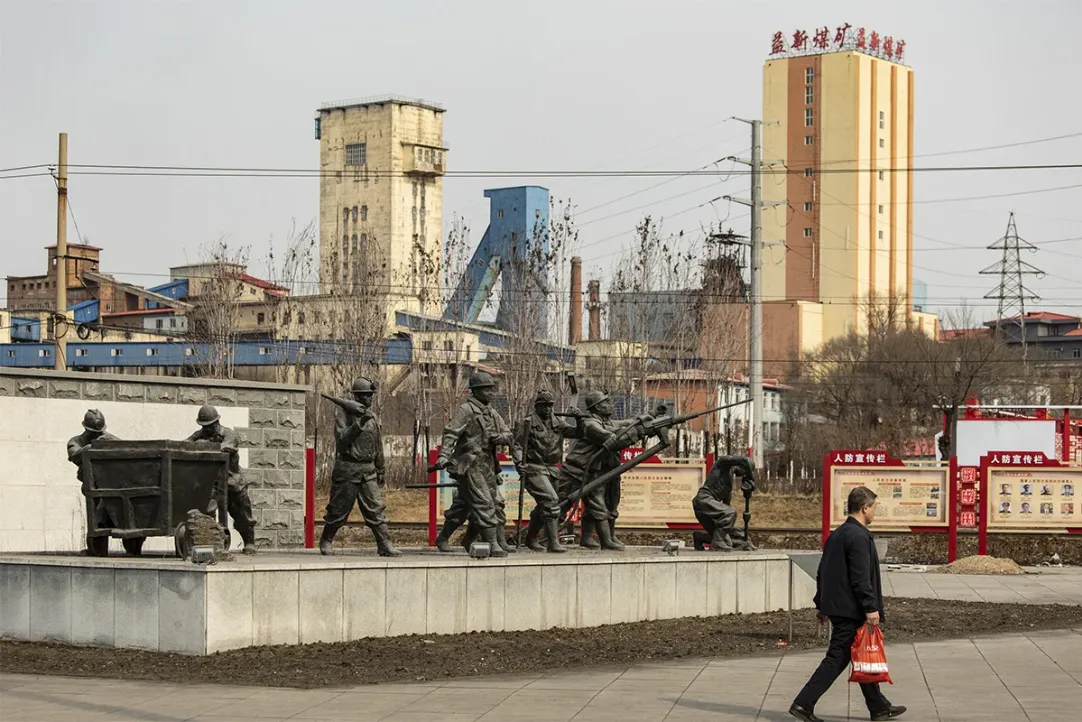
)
(470, 442)
(93, 430)
(541, 436)
(358, 469)
(237, 501)
(591, 456)
(713, 505)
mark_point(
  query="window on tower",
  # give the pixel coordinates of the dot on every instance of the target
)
(807, 206)
(880, 207)
(880, 235)
(364, 213)
(809, 75)
(808, 139)
(809, 95)
(809, 117)
(807, 232)
(880, 142)
(881, 175)
(881, 119)
(356, 154)
(354, 214)
(807, 172)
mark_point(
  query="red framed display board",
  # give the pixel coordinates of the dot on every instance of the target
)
(1024, 492)
(655, 497)
(911, 498)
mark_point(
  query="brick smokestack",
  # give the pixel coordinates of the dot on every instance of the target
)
(574, 330)
(593, 306)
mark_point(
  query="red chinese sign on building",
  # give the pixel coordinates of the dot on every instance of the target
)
(845, 38)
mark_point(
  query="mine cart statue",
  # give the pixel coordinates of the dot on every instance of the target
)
(358, 469)
(140, 489)
(713, 505)
(471, 441)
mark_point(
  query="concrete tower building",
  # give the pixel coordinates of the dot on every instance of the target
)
(838, 111)
(381, 199)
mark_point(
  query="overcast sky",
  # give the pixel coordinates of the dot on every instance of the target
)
(556, 85)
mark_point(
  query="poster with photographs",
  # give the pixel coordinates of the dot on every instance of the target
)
(908, 496)
(1034, 498)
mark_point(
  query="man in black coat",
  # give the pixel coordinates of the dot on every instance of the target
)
(849, 592)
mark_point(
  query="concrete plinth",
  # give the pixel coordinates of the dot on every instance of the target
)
(300, 597)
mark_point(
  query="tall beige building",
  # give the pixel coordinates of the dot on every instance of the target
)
(381, 199)
(838, 112)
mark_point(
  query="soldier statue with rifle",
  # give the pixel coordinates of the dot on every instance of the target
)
(713, 505)
(591, 469)
(471, 440)
(597, 452)
(358, 469)
(541, 436)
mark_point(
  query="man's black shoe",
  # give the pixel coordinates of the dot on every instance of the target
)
(805, 714)
(890, 713)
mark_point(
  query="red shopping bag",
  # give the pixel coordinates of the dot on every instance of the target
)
(869, 656)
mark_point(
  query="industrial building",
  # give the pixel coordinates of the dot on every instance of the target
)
(382, 161)
(838, 135)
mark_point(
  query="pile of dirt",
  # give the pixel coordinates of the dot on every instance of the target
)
(429, 657)
(982, 565)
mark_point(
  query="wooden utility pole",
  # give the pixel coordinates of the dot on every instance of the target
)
(59, 362)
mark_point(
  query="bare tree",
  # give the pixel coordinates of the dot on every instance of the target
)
(217, 312)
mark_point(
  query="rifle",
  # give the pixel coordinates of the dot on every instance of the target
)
(659, 428)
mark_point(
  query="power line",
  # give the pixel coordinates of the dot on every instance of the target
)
(220, 171)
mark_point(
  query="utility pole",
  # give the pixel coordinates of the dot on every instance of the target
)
(755, 291)
(59, 362)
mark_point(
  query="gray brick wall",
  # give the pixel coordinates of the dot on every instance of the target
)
(274, 435)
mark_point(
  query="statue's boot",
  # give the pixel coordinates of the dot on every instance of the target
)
(720, 542)
(469, 537)
(443, 539)
(489, 535)
(501, 539)
(741, 542)
(325, 540)
(700, 539)
(552, 526)
(587, 539)
(383, 541)
(604, 533)
(532, 533)
(612, 532)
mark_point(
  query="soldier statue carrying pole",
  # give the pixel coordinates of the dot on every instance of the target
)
(358, 469)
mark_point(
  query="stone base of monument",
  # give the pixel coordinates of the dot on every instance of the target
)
(300, 597)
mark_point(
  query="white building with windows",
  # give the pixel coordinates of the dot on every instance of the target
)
(735, 420)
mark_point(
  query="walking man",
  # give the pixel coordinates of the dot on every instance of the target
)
(541, 436)
(849, 592)
(470, 442)
(237, 502)
(358, 471)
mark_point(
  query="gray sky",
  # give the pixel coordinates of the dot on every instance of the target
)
(585, 85)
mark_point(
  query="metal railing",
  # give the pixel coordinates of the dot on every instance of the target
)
(374, 99)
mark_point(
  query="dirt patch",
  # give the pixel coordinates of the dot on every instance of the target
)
(429, 657)
(981, 565)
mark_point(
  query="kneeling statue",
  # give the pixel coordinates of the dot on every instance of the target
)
(713, 505)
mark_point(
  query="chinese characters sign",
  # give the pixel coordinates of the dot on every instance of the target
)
(1033, 498)
(651, 495)
(908, 496)
(844, 37)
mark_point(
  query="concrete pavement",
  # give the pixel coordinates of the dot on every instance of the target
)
(1043, 585)
(1010, 677)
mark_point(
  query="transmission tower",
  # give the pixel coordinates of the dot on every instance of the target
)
(1011, 292)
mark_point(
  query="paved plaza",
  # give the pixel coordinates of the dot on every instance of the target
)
(1035, 676)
